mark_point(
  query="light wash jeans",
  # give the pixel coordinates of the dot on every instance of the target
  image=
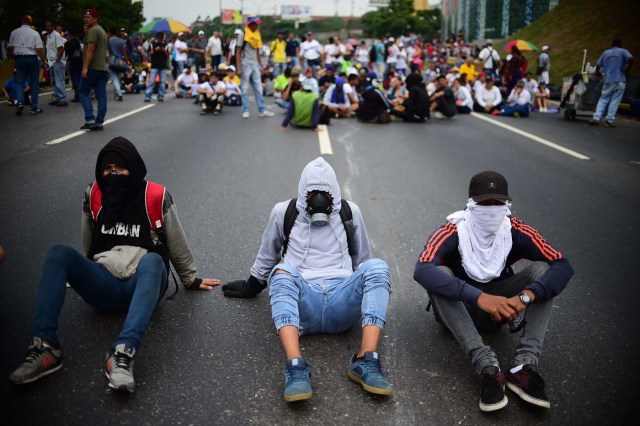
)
(180, 67)
(279, 67)
(464, 320)
(115, 80)
(282, 103)
(330, 306)
(251, 76)
(57, 79)
(152, 82)
(611, 96)
(138, 296)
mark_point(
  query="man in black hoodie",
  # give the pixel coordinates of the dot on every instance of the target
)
(130, 233)
(416, 108)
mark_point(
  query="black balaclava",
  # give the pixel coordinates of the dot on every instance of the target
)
(116, 188)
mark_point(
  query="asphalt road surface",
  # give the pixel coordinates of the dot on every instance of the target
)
(207, 359)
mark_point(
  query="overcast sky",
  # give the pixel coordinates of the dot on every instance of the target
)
(187, 11)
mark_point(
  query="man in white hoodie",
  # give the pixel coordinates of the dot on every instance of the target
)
(323, 282)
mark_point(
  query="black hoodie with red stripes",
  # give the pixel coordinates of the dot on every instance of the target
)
(442, 249)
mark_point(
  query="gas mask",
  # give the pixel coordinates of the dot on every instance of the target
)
(319, 208)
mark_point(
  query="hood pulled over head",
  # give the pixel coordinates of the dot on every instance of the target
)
(318, 175)
(120, 147)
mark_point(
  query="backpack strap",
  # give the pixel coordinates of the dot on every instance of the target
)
(154, 198)
(95, 200)
(346, 216)
(289, 219)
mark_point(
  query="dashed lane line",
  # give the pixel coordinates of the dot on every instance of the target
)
(532, 137)
(111, 120)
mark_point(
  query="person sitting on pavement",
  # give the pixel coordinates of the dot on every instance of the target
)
(479, 83)
(185, 82)
(123, 265)
(129, 81)
(281, 82)
(292, 87)
(10, 90)
(337, 98)
(443, 101)
(469, 69)
(326, 79)
(466, 268)
(518, 102)
(233, 97)
(308, 76)
(541, 97)
(488, 99)
(304, 108)
(212, 93)
(530, 84)
(324, 281)
(397, 92)
(375, 107)
(464, 100)
(415, 109)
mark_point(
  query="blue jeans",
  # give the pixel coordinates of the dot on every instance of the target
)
(115, 80)
(509, 110)
(293, 61)
(330, 306)
(57, 79)
(464, 320)
(180, 67)
(251, 76)
(282, 103)
(138, 296)
(611, 96)
(152, 81)
(74, 76)
(96, 80)
(279, 67)
(28, 69)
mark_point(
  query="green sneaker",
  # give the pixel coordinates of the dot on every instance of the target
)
(40, 361)
(367, 371)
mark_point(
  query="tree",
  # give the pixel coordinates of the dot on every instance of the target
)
(70, 13)
(401, 18)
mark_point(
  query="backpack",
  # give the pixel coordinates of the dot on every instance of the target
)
(346, 216)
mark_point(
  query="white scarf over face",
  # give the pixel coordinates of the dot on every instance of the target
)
(484, 234)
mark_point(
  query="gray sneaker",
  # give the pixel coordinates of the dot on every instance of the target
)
(40, 361)
(119, 368)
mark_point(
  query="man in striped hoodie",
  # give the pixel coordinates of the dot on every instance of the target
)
(466, 269)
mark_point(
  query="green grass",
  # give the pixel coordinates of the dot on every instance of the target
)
(575, 25)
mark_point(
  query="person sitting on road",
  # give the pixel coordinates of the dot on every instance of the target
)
(326, 79)
(212, 94)
(233, 97)
(488, 99)
(466, 268)
(339, 99)
(324, 281)
(281, 82)
(304, 108)
(292, 87)
(10, 90)
(123, 265)
(443, 101)
(541, 97)
(518, 102)
(479, 83)
(397, 92)
(415, 109)
(530, 84)
(374, 108)
(464, 100)
(129, 81)
(185, 82)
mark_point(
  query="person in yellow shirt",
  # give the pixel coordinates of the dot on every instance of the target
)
(469, 68)
(278, 53)
(231, 74)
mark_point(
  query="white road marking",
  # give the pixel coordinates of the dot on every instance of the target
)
(325, 142)
(82, 132)
(532, 137)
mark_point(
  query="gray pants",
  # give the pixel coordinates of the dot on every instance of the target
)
(465, 321)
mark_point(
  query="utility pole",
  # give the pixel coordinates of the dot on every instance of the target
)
(505, 18)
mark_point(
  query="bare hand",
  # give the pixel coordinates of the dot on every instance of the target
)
(239, 72)
(317, 130)
(282, 128)
(500, 308)
(208, 284)
(517, 303)
(84, 73)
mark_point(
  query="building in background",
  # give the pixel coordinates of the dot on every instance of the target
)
(417, 4)
(483, 19)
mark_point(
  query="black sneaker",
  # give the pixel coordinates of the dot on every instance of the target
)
(529, 386)
(53, 102)
(609, 124)
(35, 111)
(119, 368)
(19, 109)
(594, 122)
(62, 104)
(40, 361)
(97, 127)
(119, 98)
(492, 395)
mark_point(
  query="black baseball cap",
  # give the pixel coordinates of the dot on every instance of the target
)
(488, 185)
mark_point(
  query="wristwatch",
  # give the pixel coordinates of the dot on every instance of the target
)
(525, 298)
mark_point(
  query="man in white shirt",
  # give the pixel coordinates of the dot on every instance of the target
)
(185, 82)
(182, 50)
(310, 52)
(57, 61)
(334, 51)
(488, 99)
(530, 84)
(490, 59)
(212, 95)
(214, 47)
(25, 45)
(392, 53)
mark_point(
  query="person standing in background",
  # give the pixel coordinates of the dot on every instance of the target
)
(94, 72)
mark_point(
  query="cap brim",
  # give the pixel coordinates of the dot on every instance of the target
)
(485, 197)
